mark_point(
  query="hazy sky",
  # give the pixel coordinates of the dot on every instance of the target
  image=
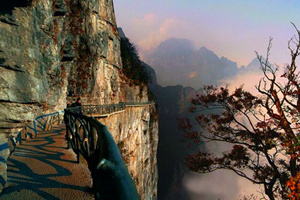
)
(230, 28)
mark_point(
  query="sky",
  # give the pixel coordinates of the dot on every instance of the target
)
(231, 28)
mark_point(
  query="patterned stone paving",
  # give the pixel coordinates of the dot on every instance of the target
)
(43, 168)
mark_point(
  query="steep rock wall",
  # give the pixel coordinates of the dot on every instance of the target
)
(135, 131)
(51, 52)
(53, 49)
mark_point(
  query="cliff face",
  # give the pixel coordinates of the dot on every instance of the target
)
(135, 130)
(52, 51)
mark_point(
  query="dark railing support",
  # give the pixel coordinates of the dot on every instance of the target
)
(91, 139)
(40, 123)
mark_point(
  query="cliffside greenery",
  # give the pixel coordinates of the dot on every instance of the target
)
(261, 132)
(132, 65)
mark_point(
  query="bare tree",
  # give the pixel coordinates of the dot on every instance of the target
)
(263, 131)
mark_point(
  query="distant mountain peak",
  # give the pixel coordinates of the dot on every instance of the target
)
(206, 52)
(177, 41)
(254, 65)
(255, 61)
(204, 49)
(175, 46)
(177, 61)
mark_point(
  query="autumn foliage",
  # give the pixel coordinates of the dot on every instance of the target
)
(262, 132)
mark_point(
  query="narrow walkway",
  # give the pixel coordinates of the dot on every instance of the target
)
(42, 168)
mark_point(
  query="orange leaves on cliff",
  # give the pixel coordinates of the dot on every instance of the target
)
(294, 185)
(55, 31)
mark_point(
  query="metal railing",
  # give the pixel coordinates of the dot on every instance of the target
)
(106, 109)
(103, 109)
(91, 140)
(46, 122)
(40, 123)
(137, 104)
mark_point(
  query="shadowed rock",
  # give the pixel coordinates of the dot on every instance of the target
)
(8, 5)
(111, 179)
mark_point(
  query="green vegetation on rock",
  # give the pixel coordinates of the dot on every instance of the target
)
(133, 67)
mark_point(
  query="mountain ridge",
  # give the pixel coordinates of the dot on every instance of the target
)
(176, 61)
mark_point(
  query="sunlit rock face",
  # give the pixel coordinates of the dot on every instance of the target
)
(135, 131)
(51, 52)
(53, 49)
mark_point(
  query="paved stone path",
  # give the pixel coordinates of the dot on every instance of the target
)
(42, 168)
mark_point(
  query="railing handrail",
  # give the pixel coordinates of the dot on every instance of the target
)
(31, 128)
(91, 139)
(126, 103)
(107, 109)
(49, 114)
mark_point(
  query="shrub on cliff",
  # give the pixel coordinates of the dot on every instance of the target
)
(133, 68)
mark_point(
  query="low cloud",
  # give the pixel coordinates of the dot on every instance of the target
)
(247, 80)
(221, 184)
(150, 18)
(154, 38)
(224, 184)
(154, 29)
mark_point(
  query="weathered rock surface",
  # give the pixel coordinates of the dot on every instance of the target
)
(135, 131)
(53, 49)
(51, 52)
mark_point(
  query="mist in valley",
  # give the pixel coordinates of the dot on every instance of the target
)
(178, 72)
(186, 45)
(173, 66)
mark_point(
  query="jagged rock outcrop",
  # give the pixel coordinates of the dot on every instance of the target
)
(52, 51)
